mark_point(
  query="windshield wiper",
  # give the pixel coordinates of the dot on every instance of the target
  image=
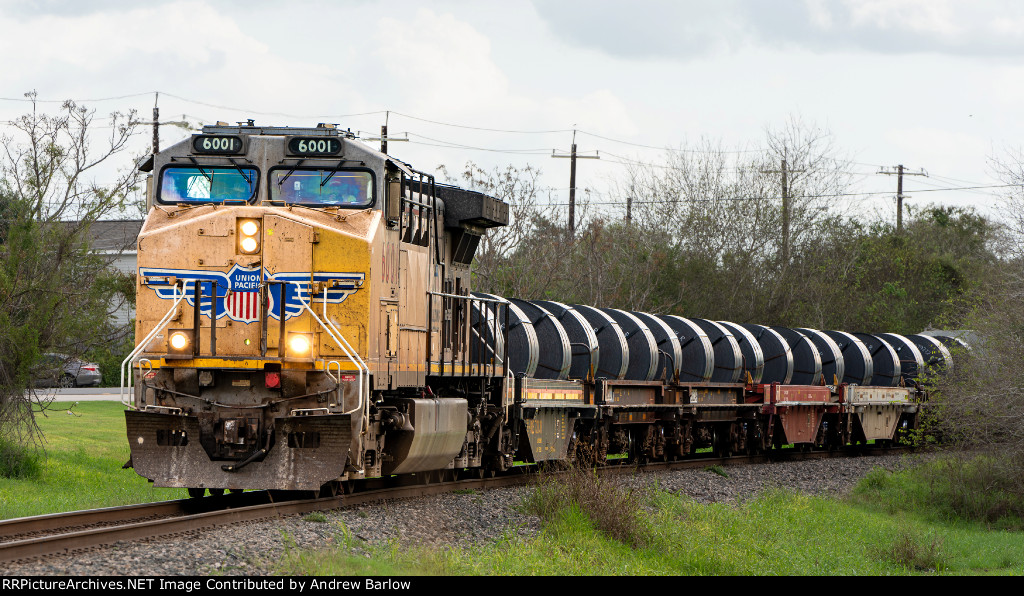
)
(333, 172)
(240, 170)
(201, 170)
(290, 172)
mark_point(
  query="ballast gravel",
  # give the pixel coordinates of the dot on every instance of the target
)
(443, 521)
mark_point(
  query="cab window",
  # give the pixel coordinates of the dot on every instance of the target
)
(207, 184)
(322, 187)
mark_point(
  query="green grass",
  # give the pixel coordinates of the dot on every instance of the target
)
(81, 466)
(717, 470)
(918, 521)
(19, 461)
(778, 533)
(953, 489)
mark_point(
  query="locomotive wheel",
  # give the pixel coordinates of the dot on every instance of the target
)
(196, 493)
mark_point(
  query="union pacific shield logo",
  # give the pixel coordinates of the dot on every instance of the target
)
(237, 291)
(242, 302)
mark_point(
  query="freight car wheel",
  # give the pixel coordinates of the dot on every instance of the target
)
(196, 493)
(216, 492)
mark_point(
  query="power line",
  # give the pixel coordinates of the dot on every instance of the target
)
(297, 116)
(776, 198)
(96, 100)
(529, 132)
(670, 148)
(537, 151)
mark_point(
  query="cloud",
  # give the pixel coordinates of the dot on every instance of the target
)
(685, 29)
(444, 59)
(188, 48)
(447, 68)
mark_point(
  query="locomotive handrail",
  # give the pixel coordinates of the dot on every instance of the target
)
(145, 344)
(360, 362)
(468, 297)
(342, 343)
(328, 369)
(491, 323)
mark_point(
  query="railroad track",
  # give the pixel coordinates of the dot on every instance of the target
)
(28, 538)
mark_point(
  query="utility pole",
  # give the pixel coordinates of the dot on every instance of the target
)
(899, 191)
(785, 206)
(156, 125)
(383, 138)
(572, 179)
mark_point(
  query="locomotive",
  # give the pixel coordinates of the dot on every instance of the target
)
(305, 320)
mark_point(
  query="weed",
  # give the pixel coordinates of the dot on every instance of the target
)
(346, 535)
(614, 510)
(466, 491)
(911, 551)
(876, 479)
(717, 470)
(316, 517)
(288, 540)
(987, 489)
(19, 462)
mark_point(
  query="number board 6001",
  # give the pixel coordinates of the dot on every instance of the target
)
(313, 146)
(216, 144)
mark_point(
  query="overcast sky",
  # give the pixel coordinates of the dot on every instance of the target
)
(931, 84)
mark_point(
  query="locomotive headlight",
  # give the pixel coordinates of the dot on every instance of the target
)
(248, 236)
(249, 245)
(249, 228)
(179, 341)
(299, 344)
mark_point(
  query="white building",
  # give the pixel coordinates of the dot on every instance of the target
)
(117, 240)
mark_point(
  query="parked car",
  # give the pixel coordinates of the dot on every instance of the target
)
(61, 370)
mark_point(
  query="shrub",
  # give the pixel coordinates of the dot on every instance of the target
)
(912, 551)
(615, 510)
(18, 461)
(987, 488)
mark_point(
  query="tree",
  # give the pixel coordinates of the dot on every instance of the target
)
(56, 295)
(982, 401)
(722, 212)
(522, 259)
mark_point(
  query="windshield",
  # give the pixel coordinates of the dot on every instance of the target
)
(207, 184)
(345, 188)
